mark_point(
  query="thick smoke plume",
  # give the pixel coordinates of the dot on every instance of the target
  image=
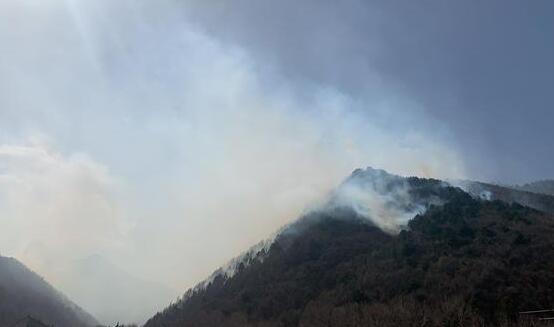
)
(129, 133)
(382, 198)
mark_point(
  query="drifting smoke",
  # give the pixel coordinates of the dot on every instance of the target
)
(130, 134)
(379, 197)
(387, 201)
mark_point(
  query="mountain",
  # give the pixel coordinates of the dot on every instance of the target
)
(460, 260)
(23, 293)
(510, 194)
(110, 293)
(543, 187)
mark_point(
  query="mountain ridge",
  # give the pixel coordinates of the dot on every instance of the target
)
(338, 267)
(23, 293)
(545, 186)
(487, 191)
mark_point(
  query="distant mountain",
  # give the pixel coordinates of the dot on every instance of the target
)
(543, 187)
(461, 261)
(111, 293)
(23, 293)
(518, 194)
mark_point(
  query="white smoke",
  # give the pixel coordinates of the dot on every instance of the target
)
(387, 211)
(168, 151)
(50, 203)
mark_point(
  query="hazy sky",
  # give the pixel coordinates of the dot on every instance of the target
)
(483, 69)
(169, 136)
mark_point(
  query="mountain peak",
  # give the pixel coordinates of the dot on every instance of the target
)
(385, 250)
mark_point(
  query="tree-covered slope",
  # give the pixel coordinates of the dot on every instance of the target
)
(463, 262)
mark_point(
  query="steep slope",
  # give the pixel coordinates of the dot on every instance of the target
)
(128, 298)
(22, 293)
(462, 262)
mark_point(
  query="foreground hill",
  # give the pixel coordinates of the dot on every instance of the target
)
(23, 293)
(462, 261)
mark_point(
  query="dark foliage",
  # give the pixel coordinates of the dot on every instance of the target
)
(467, 262)
(23, 293)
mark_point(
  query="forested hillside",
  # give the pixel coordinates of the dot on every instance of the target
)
(464, 262)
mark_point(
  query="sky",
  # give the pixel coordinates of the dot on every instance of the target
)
(482, 69)
(169, 136)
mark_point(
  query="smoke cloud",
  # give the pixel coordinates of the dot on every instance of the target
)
(383, 199)
(129, 132)
(49, 201)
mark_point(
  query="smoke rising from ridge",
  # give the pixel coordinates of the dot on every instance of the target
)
(383, 199)
(130, 133)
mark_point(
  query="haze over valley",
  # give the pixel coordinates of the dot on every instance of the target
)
(204, 163)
